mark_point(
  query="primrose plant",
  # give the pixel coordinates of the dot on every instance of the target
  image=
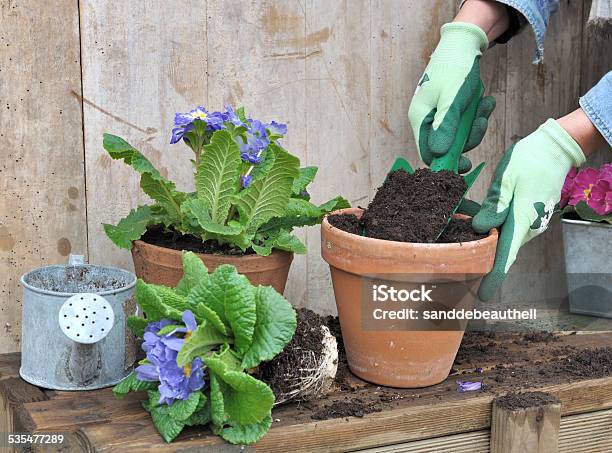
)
(250, 191)
(588, 193)
(201, 339)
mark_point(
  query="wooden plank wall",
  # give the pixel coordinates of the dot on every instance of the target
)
(341, 74)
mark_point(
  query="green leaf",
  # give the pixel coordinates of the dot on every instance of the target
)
(209, 315)
(137, 325)
(202, 414)
(305, 177)
(586, 213)
(231, 296)
(170, 298)
(334, 204)
(202, 340)
(268, 197)
(246, 400)
(168, 329)
(132, 384)
(197, 208)
(299, 213)
(262, 168)
(152, 305)
(282, 240)
(217, 176)
(290, 243)
(275, 326)
(151, 181)
(194, 273)
(167, 426)
(181, 410)
(246, 434)
(217, 407)
(130, 228)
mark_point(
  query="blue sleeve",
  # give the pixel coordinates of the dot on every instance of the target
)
(597, 104)
(533, 12)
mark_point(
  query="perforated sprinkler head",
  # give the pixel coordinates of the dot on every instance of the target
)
(86, 318)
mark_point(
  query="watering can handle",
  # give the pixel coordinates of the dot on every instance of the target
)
(450, 160)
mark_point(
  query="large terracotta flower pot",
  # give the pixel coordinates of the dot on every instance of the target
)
(391, 356)
(163, 266)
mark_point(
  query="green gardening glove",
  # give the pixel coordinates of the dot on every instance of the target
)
(524, 194)
(450, 81)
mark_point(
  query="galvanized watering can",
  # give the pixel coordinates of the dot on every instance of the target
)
(74, 331)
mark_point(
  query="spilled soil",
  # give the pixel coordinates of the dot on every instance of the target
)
(506, 363)
(174, 240)
(525, 400)
(413, 208)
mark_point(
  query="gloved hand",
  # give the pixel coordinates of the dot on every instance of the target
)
(450, 81)
(524, 194)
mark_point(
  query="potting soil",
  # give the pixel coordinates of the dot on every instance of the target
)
(413, 208)
(177, 241)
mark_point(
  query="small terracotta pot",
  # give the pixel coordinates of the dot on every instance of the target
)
(163, 266)
(401, 358)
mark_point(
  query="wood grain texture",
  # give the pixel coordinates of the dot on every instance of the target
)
(535, 93)
(534, 429)
(42, 185)
(142, 62)
(266, 75)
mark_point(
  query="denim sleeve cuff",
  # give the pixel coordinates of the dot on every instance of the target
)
(597, 104)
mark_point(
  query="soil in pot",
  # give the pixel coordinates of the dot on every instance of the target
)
(177, 241)
(413, 208)
(306, 368)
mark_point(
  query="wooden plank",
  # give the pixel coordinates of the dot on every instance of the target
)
(588, 432)
(141, 64)
(532, 427)
(9, 365)
(42, 185)
(338, 102)
(400, 50)
(596, 62)
(476, 442)
(265, 74)
(535, 93)
(419, 419)
(14, 393)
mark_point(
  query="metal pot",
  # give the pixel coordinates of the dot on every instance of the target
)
(74, 331)
(588, 248)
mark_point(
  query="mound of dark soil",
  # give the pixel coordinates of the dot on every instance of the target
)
(177, 241)
(346, 222)
(514, 401)
(459, 230)
(413, 208)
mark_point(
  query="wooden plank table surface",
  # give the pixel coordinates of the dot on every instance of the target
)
(430, 419)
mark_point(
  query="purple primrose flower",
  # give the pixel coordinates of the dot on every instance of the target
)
(176, 383)
(277, 128)
(465, 386)
(246, 180)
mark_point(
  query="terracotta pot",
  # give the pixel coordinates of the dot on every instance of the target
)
(400, 357)
(163, 266)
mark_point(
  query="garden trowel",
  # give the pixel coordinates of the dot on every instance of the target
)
(450, 161)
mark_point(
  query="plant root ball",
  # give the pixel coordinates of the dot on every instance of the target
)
(306, 368)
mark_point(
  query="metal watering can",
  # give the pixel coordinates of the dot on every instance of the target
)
(74, 330)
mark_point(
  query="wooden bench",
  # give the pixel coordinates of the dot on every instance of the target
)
(437, 418)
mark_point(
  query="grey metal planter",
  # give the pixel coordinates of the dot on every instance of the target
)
(74, 332)
(588, 264)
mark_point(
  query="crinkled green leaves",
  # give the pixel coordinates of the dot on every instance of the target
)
(260, 217)
(239, 326)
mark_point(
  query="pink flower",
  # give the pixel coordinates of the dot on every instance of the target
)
(583, 184)
(567, 187)
(600, 199)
